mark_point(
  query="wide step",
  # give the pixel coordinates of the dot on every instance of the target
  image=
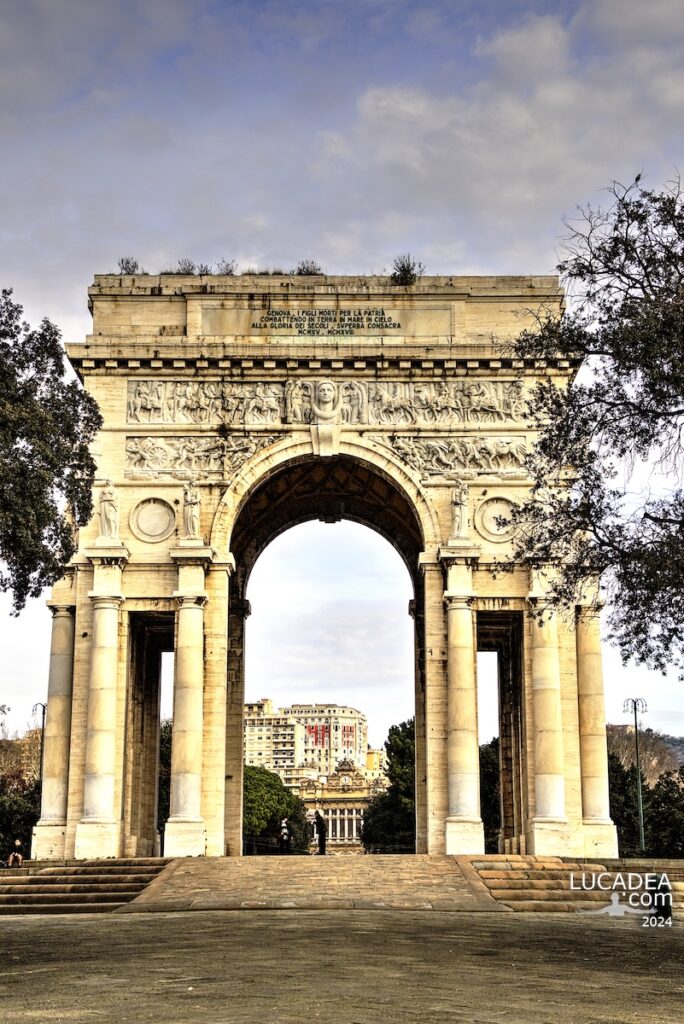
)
(77, 887)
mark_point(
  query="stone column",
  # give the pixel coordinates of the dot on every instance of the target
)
(98, 834)
(234, 763)
(185, 835)
(464, 829)
(549, 825)
(600, 833)
(49, 833)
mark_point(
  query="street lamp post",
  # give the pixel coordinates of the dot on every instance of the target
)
(43, 708)
(637, 704)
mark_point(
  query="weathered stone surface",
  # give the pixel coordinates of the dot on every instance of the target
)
(236, 407)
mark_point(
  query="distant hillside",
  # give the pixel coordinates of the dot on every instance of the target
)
(676, 744)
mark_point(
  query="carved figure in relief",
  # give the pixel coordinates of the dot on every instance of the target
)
(391, 406)
(297, 401)
(513, 403)
(191, 510)
(459, 510)
(353, 403)
(109, 511)
(263, 406)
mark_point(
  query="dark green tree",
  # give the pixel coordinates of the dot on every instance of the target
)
(19, 810)
(389, 820)
(46, 469)
(164, 786)
(664, 816)
(266, 801)
(624, 274)
(490, 794)
(623, 805)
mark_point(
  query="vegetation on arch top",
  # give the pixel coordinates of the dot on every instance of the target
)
(406, 271)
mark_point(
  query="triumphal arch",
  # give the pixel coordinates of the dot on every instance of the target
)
(237, 406)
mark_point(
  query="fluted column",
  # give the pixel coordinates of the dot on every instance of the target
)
(186, 756)
(49, 833)
(464, 830)
(601, 837)
(184, 835)
(549, 778)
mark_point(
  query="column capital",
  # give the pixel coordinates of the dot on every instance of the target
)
(193, 553)
(458, 601)
(61, 610)
(106, 600)
(190, 600)
(466, 554)
(110, 555)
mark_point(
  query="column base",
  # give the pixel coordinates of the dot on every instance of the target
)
(600, 839)
(48, 841)
(96, 840)
(552, 837)
(464, 835)
(184, 839)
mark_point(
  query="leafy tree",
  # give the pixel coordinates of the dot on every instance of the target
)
(19, 810)
(490, 794)
(623, 805)
(624, 271)
(406, 269)
(663, 811)
(664, 816)
(164, 787)
(46, 469)
(389, 820)
(266, 801)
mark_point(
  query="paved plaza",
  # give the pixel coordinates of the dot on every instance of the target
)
(343, 967)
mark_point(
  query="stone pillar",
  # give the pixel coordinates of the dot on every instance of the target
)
(98, 834)
(49, 833)
(600, 835)
(464, 829)
(185, 834)
(234, 764)
(549, 833)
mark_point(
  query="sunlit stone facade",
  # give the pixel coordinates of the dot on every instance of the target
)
(235, 407)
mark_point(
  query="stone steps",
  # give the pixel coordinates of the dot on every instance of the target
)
(526, 883)
(76, 887)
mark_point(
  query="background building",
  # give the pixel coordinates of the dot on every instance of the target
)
(320, 751)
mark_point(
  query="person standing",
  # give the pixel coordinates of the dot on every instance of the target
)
(321, 832)
(285, 836)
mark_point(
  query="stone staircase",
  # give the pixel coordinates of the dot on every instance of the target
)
(334, 882)
(76, 887)
(558, 884)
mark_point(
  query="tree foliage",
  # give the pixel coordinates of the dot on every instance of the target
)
(490, 794)
(624, 271)
(406, 269)
(19, 809)
(266, 801)
(663, 805)
(46, 469)
(389, 820)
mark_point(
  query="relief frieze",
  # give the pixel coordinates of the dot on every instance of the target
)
(458, 457)
(190, 457)
(349, 403)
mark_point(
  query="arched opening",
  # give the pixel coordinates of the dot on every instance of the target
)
(329, 490)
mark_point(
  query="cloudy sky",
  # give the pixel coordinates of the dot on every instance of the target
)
(340, 130)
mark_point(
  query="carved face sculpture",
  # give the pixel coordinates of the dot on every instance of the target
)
(326, 394)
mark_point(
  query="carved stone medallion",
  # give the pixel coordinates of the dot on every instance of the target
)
(153, 520)
(486, 516)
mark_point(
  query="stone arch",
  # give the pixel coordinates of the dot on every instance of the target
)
(287, 485)
(279, 459)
